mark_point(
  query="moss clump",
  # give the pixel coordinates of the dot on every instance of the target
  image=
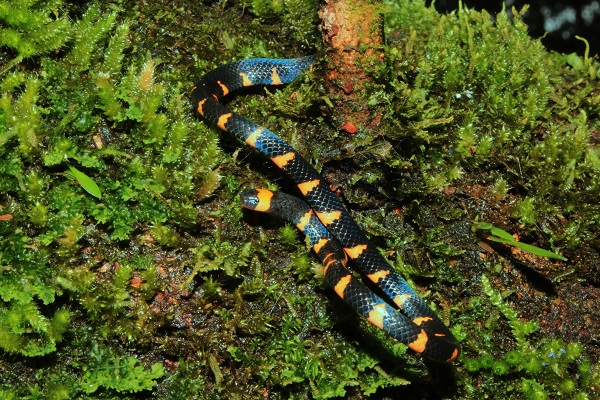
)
(468, 91)
(548, 368)
(276, 11)
(24, 327)
(33, 28)
(121, 374)
(304, 362)
(77, 112)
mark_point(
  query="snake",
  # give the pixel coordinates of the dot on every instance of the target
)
(349, 258)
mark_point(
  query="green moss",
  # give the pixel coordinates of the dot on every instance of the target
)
(33, 28)
(53, 221)
(24, 327)
(88, 31)
(122, 374)
(462, 64)
(289, 235)
(300, 29)
(22, 118)
(543, 368)
(164, 236)
(165, 268)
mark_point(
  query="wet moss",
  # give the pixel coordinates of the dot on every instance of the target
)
(477, 120)
(541, 369)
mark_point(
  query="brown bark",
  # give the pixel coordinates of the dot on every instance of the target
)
(352, 31)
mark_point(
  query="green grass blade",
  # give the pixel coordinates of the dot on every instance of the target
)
(86, 182)
(501, 236)
(537, 251)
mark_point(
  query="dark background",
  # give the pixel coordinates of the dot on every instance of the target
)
(562, 20)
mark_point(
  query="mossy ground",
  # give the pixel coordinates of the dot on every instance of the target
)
(164, 288)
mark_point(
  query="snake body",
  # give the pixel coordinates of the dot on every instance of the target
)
(333, 233)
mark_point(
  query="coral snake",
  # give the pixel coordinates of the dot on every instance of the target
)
(333, 233)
